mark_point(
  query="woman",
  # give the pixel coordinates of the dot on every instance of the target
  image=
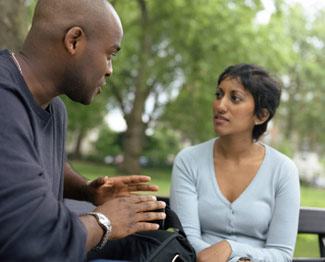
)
(238, 199)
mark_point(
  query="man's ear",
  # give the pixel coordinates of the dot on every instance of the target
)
(264, 117)
(75, 40)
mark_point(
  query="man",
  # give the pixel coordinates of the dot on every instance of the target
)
(67, 51)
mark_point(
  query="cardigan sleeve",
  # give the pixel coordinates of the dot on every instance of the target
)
(184, 199)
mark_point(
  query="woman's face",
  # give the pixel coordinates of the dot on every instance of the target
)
(233, 109)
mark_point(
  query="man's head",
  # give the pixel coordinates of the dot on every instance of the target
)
(76, 39)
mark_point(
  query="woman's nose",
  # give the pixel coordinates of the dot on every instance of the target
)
(221, 104)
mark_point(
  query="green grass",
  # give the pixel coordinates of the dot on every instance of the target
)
(306, 246)
(160, 177)
(312, 197)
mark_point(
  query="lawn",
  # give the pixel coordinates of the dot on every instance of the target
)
(306, 246)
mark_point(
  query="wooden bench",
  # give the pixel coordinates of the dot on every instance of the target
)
(311, 221)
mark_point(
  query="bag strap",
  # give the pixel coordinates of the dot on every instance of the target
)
(172, 221)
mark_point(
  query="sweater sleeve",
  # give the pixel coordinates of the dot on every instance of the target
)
(184, 200)
(35, 226)
(282, 231)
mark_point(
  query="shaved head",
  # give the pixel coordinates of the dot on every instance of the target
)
(52, 18)
(70, 45)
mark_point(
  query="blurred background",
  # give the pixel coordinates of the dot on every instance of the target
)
(159, 99)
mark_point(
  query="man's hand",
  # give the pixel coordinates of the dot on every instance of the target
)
(127, 215)
(131, 214)
(103, 189)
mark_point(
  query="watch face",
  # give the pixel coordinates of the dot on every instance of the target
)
(244, 259)
(103, 220)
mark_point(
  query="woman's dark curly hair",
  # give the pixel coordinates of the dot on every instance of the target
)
(265, 90)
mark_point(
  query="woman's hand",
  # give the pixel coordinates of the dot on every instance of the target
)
(103, 189)
(219, 252)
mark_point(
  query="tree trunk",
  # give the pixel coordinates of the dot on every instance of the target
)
(14, 22)
(77, 150)
(134, 139)
(132, 148)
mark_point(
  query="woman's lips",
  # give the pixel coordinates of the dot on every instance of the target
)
(220, 119)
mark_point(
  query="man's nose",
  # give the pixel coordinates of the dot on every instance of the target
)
(109, 70)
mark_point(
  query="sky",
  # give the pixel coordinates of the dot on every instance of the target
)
(310, 6)
(117, 122)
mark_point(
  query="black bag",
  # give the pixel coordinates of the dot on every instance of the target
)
(161, 245)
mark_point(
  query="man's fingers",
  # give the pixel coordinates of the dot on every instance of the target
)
(142, 187)
(149, 216)
(149, 206)
(132, 179)
(99, 181)
(143, 226)
(142, 198)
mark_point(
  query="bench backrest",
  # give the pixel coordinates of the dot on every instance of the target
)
(312, 221)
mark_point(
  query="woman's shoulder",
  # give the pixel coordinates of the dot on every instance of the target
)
(197, 151)
(279, 160)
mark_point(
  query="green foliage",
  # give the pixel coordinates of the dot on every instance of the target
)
(14, 24)
(82, 119)
(306, 81)
(108, 143)
(285, 147)
(173, 52)
(236, 38)
(161, 147)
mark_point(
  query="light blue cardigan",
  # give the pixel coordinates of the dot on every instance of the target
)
(261, 224)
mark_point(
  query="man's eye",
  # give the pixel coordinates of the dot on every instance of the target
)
(109, 57)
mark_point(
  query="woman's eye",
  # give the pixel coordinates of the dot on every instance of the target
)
(236, 98)
(218, 94)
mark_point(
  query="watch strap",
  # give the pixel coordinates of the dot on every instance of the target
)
(105, 224)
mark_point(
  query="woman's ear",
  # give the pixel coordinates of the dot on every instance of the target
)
(264, 117)
(75, 40)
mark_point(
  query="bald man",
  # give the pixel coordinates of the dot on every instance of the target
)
(67, 51)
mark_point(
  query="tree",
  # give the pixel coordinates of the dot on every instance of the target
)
(239, 39)
(177, 49)
(82, 119)
(305, 81)
(147, 67)
(14, 22)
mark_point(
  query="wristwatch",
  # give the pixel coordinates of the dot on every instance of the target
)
(244, 259)
(105, 224)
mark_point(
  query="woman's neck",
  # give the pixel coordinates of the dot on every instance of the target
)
(235, 148)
